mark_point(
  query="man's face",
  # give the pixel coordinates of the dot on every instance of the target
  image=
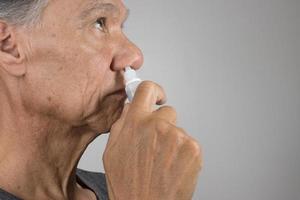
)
(75, 59)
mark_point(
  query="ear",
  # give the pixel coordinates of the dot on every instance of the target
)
(11, 58)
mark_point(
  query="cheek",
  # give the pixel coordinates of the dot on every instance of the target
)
(84, 87)
(87, 88)
(69, 81)
(99, 62)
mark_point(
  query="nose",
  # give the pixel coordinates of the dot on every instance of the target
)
(127, 54)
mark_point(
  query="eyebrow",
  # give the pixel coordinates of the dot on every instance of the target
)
(104, 7)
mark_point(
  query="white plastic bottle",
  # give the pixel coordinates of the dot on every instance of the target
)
(132, 82)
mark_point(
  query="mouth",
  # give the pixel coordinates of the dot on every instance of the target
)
(119, 93)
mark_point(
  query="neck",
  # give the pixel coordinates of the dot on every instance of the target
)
(39, 155)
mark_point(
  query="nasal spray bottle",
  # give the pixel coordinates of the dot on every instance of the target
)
(132, 82)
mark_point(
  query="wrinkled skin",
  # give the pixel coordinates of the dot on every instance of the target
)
(61, 86)
(73, 67)
(147, 156)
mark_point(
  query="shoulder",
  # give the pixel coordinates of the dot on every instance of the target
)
(95, 181)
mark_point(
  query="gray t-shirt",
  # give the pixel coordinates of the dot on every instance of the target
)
(95, 181)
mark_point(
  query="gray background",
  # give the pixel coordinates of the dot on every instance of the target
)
(232, 70)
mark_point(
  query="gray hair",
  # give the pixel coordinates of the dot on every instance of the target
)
(21, 12)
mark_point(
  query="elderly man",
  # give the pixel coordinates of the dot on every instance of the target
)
(61, 85)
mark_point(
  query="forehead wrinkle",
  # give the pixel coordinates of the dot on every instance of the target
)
(99, 6)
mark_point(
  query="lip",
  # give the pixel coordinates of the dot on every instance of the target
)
(119, 92)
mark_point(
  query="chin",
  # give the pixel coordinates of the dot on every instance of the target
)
(110, 111)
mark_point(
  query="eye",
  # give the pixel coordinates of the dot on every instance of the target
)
(101, 23)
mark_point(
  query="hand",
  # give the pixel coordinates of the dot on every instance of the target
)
(147, 157)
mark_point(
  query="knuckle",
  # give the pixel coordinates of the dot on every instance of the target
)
(162, 126)
(195, 153)
(190, 146)
(194, 147)
(169, 110)
(180, 132)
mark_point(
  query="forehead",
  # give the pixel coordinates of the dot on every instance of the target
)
(109, 5)
(75, 7)
(99, 6)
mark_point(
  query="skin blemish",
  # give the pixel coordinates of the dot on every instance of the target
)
(49, 99)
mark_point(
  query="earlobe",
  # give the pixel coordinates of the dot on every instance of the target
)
(10, 58)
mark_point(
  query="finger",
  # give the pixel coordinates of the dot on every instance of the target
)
(148, 94)
(166, 113)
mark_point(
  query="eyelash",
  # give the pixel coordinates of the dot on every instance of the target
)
(101, 23)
